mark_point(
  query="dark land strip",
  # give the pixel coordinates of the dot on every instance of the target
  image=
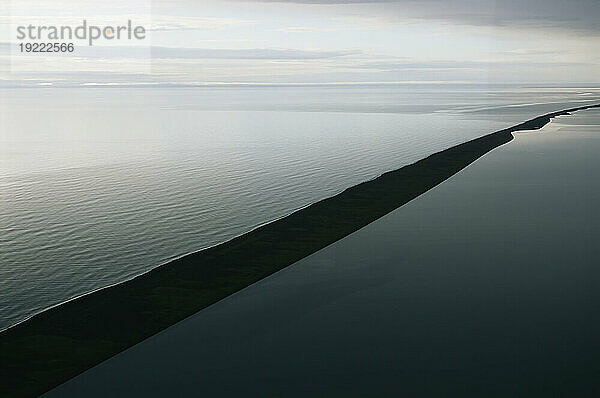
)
(60, 343)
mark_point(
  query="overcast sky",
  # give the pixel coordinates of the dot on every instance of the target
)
(316, 41)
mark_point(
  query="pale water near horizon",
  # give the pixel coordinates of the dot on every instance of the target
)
(100, 184)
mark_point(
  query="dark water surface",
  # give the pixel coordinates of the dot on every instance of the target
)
(485, 286)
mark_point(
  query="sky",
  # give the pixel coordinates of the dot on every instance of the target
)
(312, 42)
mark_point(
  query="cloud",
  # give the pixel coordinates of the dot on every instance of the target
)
(576, 15)
(176, 53)
(455, 65)
(256, 53)
(178, 23)
(157, 52)
(308, 29)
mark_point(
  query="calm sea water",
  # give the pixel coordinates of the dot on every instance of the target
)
(100, 184)
(485, 286)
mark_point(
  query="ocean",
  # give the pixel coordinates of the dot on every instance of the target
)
(99, 184)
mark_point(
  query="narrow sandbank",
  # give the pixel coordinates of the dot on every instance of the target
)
(58, 344)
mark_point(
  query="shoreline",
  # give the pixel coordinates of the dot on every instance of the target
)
(90, 330)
